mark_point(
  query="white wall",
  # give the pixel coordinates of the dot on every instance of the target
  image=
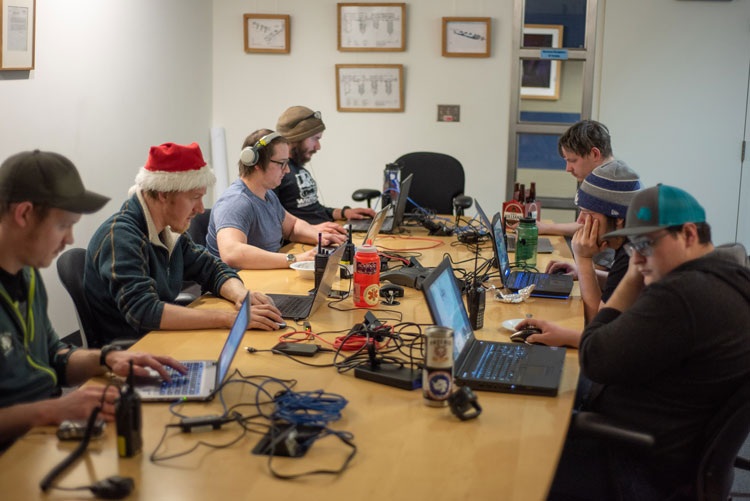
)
(252, 90)
(673, 92)
(112, 78)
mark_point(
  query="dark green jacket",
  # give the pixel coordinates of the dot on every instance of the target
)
(31, 367)
(131, 273)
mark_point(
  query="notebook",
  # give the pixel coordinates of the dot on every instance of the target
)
(299, 307)
(391, 223)
(204, 376)
(546, 285)
(487, 365)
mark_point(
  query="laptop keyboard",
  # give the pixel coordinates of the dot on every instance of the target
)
(499, 362)
(292, 306)
(526, 279)
(188, 384)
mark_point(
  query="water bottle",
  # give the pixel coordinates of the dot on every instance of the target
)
(366, 276)
(527, 235)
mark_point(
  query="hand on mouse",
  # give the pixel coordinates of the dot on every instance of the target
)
(551, 335)
(562, 267)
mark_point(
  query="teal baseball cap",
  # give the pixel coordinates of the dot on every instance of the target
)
(659, 207)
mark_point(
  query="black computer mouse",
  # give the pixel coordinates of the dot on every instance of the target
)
(520, 336)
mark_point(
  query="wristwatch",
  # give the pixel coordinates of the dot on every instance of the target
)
(290, 258)
(105, 351)
(343, 210)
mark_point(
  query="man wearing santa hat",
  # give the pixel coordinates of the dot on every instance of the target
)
(138, 259)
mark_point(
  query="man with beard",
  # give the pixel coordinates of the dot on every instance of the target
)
(298, 192)
(138, 259)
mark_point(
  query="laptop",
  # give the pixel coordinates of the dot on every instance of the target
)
(546, 285)
(487, 365)
(372, 232)
(204, 376)
(299, 307)
(391, 223)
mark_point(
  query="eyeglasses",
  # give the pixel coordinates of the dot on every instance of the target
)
(643, 246)
(281, 164)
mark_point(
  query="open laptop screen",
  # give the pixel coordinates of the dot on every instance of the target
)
(501, 253)
(235, 338)
(446, 306)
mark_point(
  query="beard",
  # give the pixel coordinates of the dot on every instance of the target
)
(297, 156)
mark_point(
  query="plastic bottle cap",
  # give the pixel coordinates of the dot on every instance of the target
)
(528, 220)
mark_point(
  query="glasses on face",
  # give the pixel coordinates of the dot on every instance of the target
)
(280, 163)
(643, 245)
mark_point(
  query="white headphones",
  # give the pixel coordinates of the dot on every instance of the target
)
(249, 155)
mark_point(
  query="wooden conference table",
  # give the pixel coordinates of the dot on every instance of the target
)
(406, 450)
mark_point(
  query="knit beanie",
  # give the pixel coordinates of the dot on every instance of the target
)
(173, 167)
(299, 122)
(609, 189)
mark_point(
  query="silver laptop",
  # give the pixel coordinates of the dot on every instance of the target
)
(204, 376)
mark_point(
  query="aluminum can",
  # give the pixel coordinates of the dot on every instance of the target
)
(437, 375)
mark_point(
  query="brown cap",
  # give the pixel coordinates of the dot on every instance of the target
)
(299, 122)
(46, 178)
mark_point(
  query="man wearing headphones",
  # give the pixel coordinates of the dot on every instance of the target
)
(138, 259)
(298, 192)
(248, 223)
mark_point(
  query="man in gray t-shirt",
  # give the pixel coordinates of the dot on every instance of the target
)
(238, 207)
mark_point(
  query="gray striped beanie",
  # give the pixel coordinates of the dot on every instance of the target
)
(609, 189)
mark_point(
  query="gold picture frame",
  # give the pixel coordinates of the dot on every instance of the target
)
(17, 34)
(467, 36)
(370, 87)
(267, 33)
(371, 27)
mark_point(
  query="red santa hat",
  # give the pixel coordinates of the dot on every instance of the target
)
(174, 167)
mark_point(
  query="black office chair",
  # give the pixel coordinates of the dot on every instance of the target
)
(70, 267)
(724, 436)
(438, 180)
(199, 227)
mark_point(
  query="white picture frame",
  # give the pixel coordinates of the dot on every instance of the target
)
(540, 78)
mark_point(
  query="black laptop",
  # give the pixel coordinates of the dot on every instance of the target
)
(299, 307)
(487, 365)
(545, 285)
(391, 223)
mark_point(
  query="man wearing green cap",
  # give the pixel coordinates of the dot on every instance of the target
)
(298, 192)
(41, 198)
(669, 348)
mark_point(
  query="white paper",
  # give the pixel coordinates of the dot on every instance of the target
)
(18, 28)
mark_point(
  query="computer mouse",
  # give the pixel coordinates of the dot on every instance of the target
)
(282, 325)
(559, 271)
(520, 336)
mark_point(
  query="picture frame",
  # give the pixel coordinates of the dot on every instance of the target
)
(267, 33)
(17, 34)
(467, 36)
(540, 78)
(371, 27)
(370, 87)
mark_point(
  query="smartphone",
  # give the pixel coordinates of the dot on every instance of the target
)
(296, 349)
(76, 429)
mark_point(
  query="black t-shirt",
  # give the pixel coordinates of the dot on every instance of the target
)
(14, 285)
(298, 193)
(616, 272)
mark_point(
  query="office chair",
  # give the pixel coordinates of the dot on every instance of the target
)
(438, 180)
(199, 227)
(723, 438)
(70, 267)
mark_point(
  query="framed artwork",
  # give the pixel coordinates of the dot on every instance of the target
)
(17, 34)
(369, 87)
(379, 27)
(466, 36)
(540, 78)
(267, 33)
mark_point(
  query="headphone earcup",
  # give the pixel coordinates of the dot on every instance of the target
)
(249, 156)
